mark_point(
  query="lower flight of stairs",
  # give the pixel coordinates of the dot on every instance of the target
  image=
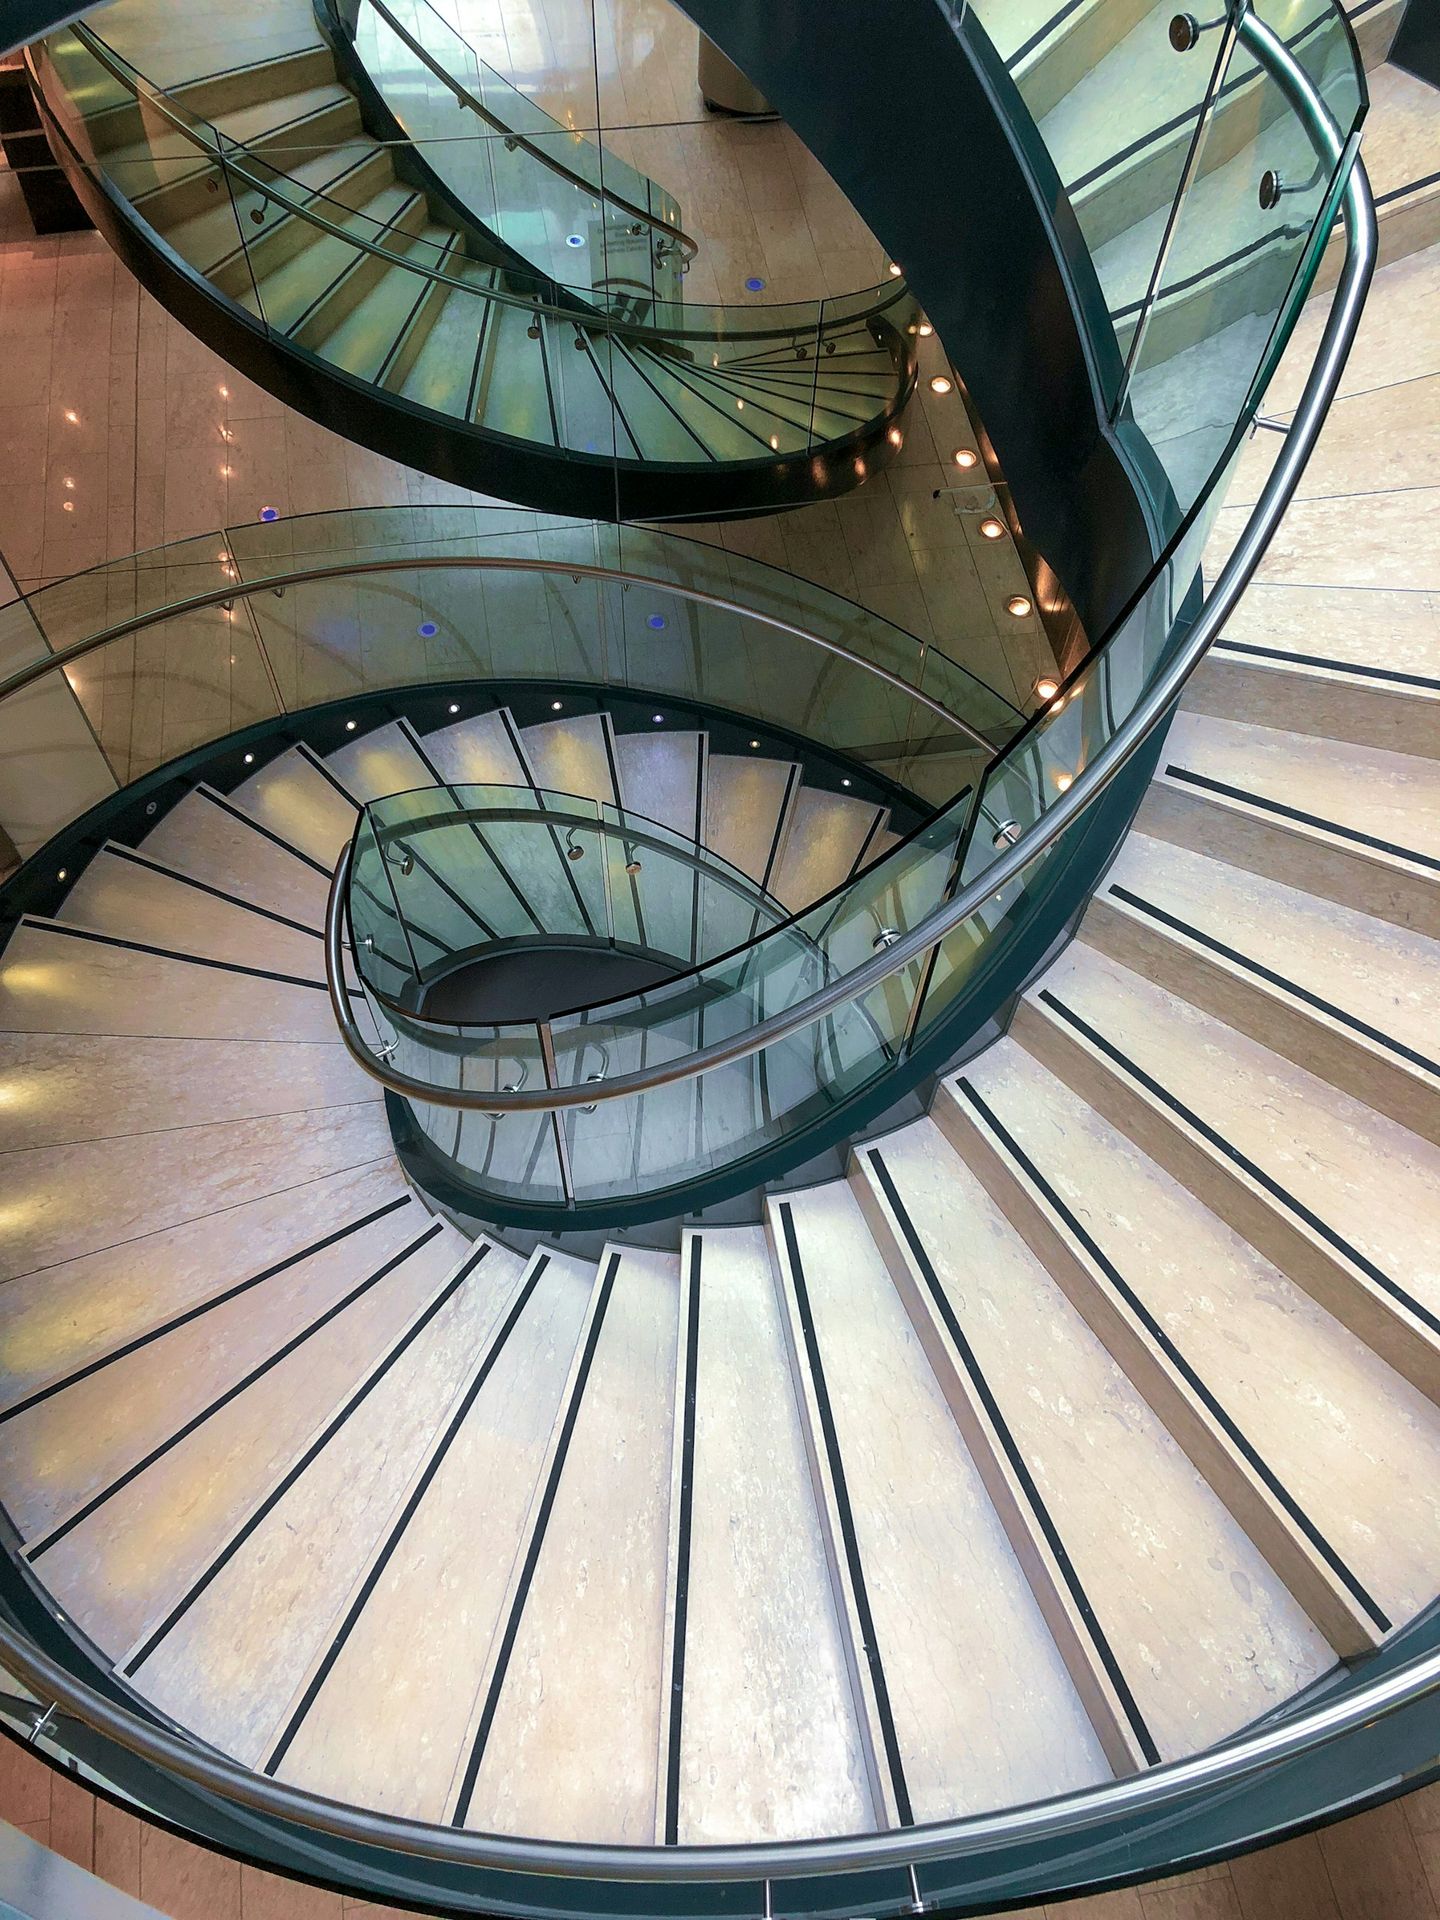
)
(1090, 1418)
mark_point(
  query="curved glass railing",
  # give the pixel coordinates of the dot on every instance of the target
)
(1188, 190)
(271, 618)
(346, 266)
(749, 1024)
(556, 197)
(990, 852)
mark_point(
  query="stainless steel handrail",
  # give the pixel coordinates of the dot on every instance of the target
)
(671, 229)
(482, 563)
(1149, 711)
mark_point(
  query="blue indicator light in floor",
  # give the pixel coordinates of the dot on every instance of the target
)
(755, 284)
(657, 621)
(427, 629)
(574, 239)
(269, 513)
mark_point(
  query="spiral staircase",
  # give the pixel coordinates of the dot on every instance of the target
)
(899, 1368)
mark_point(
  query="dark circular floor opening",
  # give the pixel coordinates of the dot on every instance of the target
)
(534, 980)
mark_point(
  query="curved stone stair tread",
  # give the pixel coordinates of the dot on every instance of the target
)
(378, 763)
(1391, 797)
(294, 800)
(120, 1570)
(206, 835)
(63, 1318)
(481, 751)
(984, 1711)
(571, 1745)
(220, 233)
(828, 835)
(768, 1740)
(1345, 1434)
(68, 1089)
(59, 1454)
(747, 807)
(288, 291)
(227, 1667)
(244, 125)
(1371, 1181)
(477, 1483)
(55, 978)
(369, 335)
(573, 755)
(1165, 1567)
(124, 894)
(1382, 977)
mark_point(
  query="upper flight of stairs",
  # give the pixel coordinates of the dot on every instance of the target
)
(312, 231)
(1091, 1418)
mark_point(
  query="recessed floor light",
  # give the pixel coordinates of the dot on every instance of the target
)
(926, 329)
(454, 706)
(991, 528)
(269, 513)
(556, 705)
(427, 629)
(657, 621)
(941, 383)
(754, 284)
(1046, 688)
(894, 270)
(574, 239)
(249, 759)
(1018, 605)
(658, 718)
(965, 457)
(349, 726)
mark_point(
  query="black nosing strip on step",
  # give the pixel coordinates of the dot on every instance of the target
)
(405, 1516)
(1274, 979)
(194, 1313)
(543, 343)
(1172, 1353)
(682, 1554)
(168, 953)
(622, 347)
(1099, 1640)
(870, 1642)
(1334, 666)
(533, 1549)
(1263, 801)
(1410, 186)
(203, 886)
(57, 1534)
(266, 833)
(317, 1446)
(782, 821)
(326, 772)
(1226, 1151)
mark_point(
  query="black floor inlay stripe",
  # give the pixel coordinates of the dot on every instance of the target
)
(307, 1458)
(216, 893)
(1177, 1359)
(1306, 819)
(1251, 965)
(406, 1515)
(169, 953)
(179, 1320)
(850, 1540)
(265, 833)
(682, 1556)
(1044, 1519)
(1232, 1153)
(1335, 666)
(536, 1543)
(68, 1526)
